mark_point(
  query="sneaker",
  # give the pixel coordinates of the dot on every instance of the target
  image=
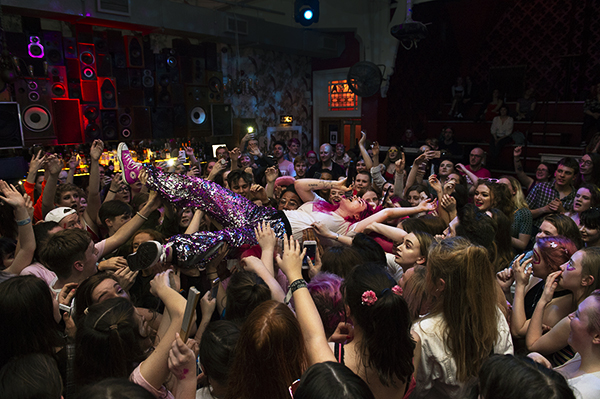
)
(149, 253)
(131, 169)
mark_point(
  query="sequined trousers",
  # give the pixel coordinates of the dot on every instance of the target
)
(238, 215)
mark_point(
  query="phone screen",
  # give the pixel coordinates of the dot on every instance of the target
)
(311, 252)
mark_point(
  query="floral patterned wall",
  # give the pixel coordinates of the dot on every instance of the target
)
(272, 84)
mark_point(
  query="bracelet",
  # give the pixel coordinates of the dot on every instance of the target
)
(337, 237)
(112, 191)
(142, 216)
(296, 285)
(23, 222)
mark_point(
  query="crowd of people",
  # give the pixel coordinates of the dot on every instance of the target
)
(344, 274)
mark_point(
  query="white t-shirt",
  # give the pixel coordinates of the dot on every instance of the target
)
(586, 386)
(303, 218)
(436, 376)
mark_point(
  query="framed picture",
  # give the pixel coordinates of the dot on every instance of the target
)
(284, 133)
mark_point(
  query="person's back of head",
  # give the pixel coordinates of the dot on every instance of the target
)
(29, 321)
(368, 249)
(42, 232)
(331, 380)
(324, 289)
(114, 388)
(464, 282)
(270, 354)
(217, 352)
(33, 376)
(245, 291)
(340, 260)
(378, 309)
(506, 376)
(476, 226)
(415, 291)
(108, 342)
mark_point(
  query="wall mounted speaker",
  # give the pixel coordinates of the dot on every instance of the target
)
(100, 40)
(214, 81)
(36, 116)
(11, 135)
(162, 123)
(135, 78)
(53, 43)
(110, 128)
(57, 76)
(104, 65)
(198, 111)
(107, 93)
(135, 123)
(148, 78)
(87, 61)
(193, 70)
(67, 120)
(90, 117)
(134, 52)
(70, 47)
(27, 49)
(222, 120)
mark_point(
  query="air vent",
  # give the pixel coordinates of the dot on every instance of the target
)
(115, 7)
(236, 25)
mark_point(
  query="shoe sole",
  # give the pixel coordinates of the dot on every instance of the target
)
(145, 257)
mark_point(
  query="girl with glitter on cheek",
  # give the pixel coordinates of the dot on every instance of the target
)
(239, 216)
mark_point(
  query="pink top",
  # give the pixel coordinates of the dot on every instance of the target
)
(162, 393)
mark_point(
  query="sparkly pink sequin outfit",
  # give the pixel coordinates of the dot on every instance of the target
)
(238, 215)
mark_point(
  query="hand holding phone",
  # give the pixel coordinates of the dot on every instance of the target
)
(311, 252)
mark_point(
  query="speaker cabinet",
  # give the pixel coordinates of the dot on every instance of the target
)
(33, 96)
(135, 78)
(57, 76)
(134, 52)
(107, 93)
(53, 43)
(214, 81)
(162, 123)
(70, 48)
(29, 51)
(198, 111)
(87, 61)
(11, 135)
(222, 120)
(135, 123)
(67, 120)
(100, 39)
(104, 64)
(148, 78)
(110, 128)
(193, 70)
(90, 117)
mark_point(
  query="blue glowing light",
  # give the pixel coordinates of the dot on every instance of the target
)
(308, 14)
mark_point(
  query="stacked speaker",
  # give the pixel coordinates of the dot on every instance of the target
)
(103, 85)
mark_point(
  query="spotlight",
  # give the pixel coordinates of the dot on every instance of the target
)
(250, 129)
(306, 12)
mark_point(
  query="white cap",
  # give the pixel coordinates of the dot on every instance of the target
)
(58, 214)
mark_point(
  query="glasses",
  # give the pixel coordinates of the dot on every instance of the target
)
(585, 163)
(476, 155)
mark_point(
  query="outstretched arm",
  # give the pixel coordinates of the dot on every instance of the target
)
(393, 213)
(54, 166)
(363, 151)
(306, 187)
(523, 178)
(91, 212)
(306, 311)
(26, 239)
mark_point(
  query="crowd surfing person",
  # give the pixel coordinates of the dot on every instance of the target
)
(239, 216)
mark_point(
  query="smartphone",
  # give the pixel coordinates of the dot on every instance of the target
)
(190, 309)
(311, 252)
(214, 287)
(437, 154)
(181, 154)
(351, 173)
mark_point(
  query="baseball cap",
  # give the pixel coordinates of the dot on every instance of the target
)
(58, 214)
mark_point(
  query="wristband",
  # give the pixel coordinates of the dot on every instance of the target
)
(142, 216)
(23, 222)
(112, 191)
(296, 285)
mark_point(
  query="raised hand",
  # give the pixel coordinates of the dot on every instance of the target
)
(37, 160)
(517, 151)
(265, 236)
(434, 182)
(126, 277)
(448, 202)
(550, 286)
(291, 260)
(363, 139)
(96, 150)
(271, 174)
(400, 164)
(10, 195)
(521, 272)
(375, 149)
(182, 358)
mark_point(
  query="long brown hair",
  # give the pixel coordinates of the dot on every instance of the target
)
(467, 303)
(270, 354)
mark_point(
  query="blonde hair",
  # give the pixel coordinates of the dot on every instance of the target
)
(467, 302)
(519, 197)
